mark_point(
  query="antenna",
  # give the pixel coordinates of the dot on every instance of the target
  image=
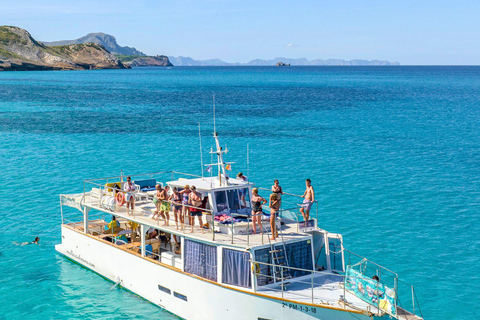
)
(214, 127)
(211, 171)
(200, 140)
(248, 163)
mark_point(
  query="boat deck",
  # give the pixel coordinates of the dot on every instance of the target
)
(223, 235)
(327, 290)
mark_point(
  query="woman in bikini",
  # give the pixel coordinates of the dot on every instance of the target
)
(274, 208)
(176, 201)
(257, 202)
(278, 190)
(184, 193)
(157, 202)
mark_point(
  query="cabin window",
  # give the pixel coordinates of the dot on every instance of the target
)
(236, 268)
(233, 200)
(200, 259)
(298, 255)
(221, 201)
(265, 276)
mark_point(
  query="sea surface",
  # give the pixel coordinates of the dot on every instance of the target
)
(393, 154)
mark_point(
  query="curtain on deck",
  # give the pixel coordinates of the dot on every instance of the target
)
(236, 268)
(201, 259)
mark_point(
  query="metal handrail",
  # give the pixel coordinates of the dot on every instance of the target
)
(310, 282)
(143, 174)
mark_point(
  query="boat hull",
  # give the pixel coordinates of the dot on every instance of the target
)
(189, 297)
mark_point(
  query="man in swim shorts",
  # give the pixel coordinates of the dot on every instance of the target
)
(309, 196)
(129, 189)
(195, 200)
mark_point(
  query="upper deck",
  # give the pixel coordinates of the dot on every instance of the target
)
(221, 200)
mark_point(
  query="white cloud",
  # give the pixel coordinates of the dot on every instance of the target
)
(289, 45)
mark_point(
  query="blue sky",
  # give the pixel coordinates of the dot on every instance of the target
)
(410, 32)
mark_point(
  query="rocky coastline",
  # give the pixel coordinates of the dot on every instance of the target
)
(19, 51)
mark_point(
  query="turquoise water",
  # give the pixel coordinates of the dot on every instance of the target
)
(393, 153)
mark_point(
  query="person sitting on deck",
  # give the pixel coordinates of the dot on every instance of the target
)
(129, 189)
(175, 199)
(113, 224)
(195, 200)
(152, 233)
(257, 202)
(309, 196)
(274, 208)
(165, 206)
(185, 192)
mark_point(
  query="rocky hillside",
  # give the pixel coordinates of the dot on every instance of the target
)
(107, 41)
(146, 61)
(19, 51)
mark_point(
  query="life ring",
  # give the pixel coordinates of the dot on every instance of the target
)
(120, 198)
(256, 268)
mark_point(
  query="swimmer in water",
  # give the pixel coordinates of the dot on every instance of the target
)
(36, 241)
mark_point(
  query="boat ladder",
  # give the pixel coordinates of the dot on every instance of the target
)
(279, 258)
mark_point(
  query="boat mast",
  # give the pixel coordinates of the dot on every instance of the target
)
(219, 151)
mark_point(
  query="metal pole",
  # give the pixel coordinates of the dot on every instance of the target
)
(201, 156)
(395, 284)
(61, 209)
(413, 300)
(231, 218)
(248, 231)
(248, 162)
(344, 292)
(281, 273)
(142, 240)
(311, 273)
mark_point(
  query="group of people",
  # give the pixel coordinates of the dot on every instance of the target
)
(275, 201)
(189, 203)
(186, 203)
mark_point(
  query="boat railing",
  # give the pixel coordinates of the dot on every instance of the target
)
(387, 276)
(303, 288)
(280, 281)
(293, 211)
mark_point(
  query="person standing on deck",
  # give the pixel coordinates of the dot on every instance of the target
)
(157, 202)
(195, 200)
(175, 199)
(257, 212)
(165, 206)
(129, 189)
(242, 192)
(278, 190)
(309, 196)
(185, 192)
(274, 208)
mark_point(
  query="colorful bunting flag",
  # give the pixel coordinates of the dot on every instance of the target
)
(208, 169)
(228, 167)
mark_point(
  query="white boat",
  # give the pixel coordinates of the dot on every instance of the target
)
(226, 272)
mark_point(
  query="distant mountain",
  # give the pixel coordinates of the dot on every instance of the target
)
(186, 61)
(20, 51)
(106, 40)
(189, 62)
